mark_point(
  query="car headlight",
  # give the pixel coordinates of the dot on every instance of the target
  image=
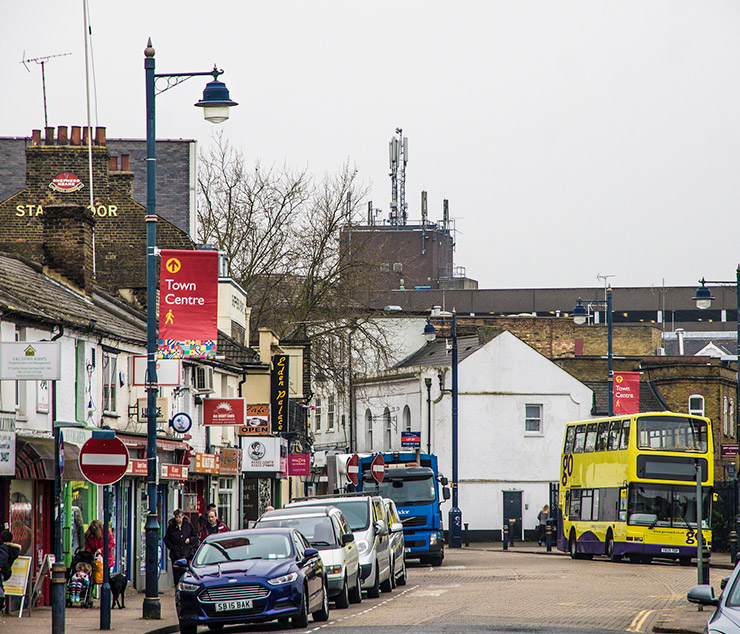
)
(362, 546)
(334, 570)
(433, 539)
(184, 586)
(289, 578)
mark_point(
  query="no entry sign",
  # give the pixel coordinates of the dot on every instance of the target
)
(377, 468)
(353, 469)
(103, 460)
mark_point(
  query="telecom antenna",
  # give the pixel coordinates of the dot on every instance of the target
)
(398, 150)
(42, 61)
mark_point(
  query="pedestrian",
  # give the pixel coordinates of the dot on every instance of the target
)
(213, 525)
(181, 540)
(9, 552)
(94, 542)
(203, 519)
(542, 523)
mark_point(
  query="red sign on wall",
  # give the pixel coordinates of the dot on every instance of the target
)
(188, 305)
(626, 393)
(729, 450)
(223, 411)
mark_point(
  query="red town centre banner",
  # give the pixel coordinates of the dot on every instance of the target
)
(223, 411)
(626, 393)
(188, 305)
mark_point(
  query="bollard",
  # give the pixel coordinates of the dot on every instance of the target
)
(548, 536)
(505, 531)
(58, 588)
(467, 540)
(705, 568)
(733, 546)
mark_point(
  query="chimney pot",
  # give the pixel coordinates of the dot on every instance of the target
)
(35, 137)
(85, 132)
(49, 136)
(113, 164)
(100, 136)
(75, 135)
(125, 163)
(62, 135)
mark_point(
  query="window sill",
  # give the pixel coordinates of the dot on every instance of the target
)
(111, 415)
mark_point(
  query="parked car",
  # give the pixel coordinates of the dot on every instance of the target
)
(396, 542)
(366, 517)
(252, 575)
(327, 530)
(726, 618)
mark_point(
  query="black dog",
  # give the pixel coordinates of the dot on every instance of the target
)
(118, 583)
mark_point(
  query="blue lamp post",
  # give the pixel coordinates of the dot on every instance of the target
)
(704, 299)
(455, 515)
(580, 317)
(215, 104)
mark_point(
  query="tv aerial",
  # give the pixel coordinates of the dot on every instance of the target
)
(42, 61)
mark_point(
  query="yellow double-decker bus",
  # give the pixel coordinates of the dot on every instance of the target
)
(628, 487)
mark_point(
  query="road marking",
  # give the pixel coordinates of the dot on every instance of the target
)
(639, 621)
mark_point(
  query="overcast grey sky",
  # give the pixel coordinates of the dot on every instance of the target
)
(571, 137)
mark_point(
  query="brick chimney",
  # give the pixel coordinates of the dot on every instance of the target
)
(123, 178)
(68, 244)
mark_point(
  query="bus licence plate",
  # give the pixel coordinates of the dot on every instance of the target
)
(672, 551)
(224, 606)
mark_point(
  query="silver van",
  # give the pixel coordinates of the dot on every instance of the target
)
(366, 516)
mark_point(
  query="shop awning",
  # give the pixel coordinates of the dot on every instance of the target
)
(34, 457)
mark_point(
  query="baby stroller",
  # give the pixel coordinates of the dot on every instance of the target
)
(80, 580)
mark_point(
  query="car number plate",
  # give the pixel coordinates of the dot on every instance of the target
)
(672, 551)
(408, 550)
(225, 606)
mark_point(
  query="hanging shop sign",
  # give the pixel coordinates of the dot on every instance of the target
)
(30, 361)
(257, 421)
(262, 454)
(299, 464)
(223, 411)
(207, 463)
(136, 467)
(188, 305)
(162, 408)
(169, 371)
(279, 393)
(173, 472)
(7, 453)
(230, 461)
(626, 393)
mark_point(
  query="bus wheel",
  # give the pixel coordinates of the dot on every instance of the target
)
(610, 549)
(684, 561)
(572, 546)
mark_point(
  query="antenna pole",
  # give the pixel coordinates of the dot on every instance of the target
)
(42, 61)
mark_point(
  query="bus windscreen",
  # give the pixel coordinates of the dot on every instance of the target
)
(669, 433)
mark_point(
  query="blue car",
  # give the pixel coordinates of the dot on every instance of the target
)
(252, 576)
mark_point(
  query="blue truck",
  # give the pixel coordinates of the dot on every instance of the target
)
(413, 482)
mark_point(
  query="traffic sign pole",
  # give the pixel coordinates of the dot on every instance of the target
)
(105, 606)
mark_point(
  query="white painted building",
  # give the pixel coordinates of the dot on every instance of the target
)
(513, 406)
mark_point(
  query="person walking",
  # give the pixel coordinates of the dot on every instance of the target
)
(542, 523)
(203, 519)
(213, 525)
(9, 552)
(181, 540)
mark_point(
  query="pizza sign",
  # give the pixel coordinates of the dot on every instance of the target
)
(66, 182)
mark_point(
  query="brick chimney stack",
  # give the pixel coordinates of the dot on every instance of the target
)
(68, 244)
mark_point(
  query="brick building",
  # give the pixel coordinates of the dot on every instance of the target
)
(57, 176)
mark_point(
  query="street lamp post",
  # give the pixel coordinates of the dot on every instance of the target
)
(455, 515)
(215, 104)
(703, 299)
(580, 316)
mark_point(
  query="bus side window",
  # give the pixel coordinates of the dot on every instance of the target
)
(575, 505)
(622, 505)
(625, 435)
(602, 436)
(587, 504)
(614, 430)
(567, 503)
(595, 512)
(570, 435)
(580, 439)
(590, 437)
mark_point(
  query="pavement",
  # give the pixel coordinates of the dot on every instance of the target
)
(679, 616)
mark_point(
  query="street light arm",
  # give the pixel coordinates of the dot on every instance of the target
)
(174, 79)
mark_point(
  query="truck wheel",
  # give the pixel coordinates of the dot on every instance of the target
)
(437, 559)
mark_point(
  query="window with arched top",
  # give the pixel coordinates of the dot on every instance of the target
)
(407, 418)
(388, 429)
(368, 430)
(696, 405)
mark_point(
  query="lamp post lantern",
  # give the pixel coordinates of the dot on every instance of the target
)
(580, 317)
(704, 299)
(215, 104)
(455, 514)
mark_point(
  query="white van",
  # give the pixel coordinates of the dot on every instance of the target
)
(366, 516)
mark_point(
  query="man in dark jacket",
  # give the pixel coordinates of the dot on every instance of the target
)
(181, 540)
(213, 526)
(9, 552)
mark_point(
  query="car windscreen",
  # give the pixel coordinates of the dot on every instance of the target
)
(317, 530)
(356, 512)
(241, 547)
(409, 492)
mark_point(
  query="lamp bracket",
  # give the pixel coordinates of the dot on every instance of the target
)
(174, 79)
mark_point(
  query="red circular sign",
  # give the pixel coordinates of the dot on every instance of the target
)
(103, 460)
(353, 469)
(377, 468)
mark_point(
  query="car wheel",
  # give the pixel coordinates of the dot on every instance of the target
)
(373, 592)
(387, 585)
(355, 595)
(188, 629)
(393, 574)
(216, 627)
(401, 581)
(342, 599)
(322, 614)
(301, 620)
(437, 560)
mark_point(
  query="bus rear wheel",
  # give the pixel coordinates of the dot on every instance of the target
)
(572, 546)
